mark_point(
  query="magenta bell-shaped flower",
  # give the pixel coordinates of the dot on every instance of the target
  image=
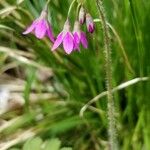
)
(90, 23)
(79, 36)
(41, 27)
(82, 15)
(66, 38)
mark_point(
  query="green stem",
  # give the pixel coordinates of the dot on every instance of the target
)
(138, 36)
(78, 9)
(70, 8)
(46, 5)
(48, 2)
(110, 104)
(125, 57)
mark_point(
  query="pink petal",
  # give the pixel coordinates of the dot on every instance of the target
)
(40, 29)
(58, 41)
(30, 28)
(68, 43)
(50, 33)
(84, 40)
(76, 37)
(76, 41)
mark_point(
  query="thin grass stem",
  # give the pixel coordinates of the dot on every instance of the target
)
(113, 144)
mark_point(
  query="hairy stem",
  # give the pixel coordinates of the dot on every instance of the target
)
(110, 104)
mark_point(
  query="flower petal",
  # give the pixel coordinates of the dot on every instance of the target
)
(50, 33)
(40, 29)
(30, 28)
(84, 40)
(58, 41)
(76, 41)
(68, 43)
(76, 37)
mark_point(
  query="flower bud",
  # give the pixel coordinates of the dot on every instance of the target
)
(82, 15)
(90, 23)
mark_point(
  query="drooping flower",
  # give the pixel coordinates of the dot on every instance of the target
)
(82, 15)
(90, 23)
(79, 37)
(66, 38)
(41, 27)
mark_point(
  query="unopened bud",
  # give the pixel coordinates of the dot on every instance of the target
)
(90, 23)
(82, 15)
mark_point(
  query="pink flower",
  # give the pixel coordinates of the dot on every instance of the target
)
(79, 37)
(66, 38)
(82, 15)
(90, 23)
(41, 27)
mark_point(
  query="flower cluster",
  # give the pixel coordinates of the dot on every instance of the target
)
(71, 40)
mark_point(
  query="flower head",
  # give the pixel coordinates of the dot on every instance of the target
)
(82, 15)
(90, 23)
(66, 38)
(79, 37)
(41, 27)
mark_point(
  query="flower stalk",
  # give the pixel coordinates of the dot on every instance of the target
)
(70, 8)
(48, 2)
(113, 144)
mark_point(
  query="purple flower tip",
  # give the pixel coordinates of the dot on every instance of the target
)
(90, 23)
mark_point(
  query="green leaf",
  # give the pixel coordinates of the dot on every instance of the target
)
(33, 144)
(66, 148)
(7, 10)
(28, 86)
(66, 124)
(53, 144)
(6, 27)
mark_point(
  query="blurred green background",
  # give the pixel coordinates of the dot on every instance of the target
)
(42, 93)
